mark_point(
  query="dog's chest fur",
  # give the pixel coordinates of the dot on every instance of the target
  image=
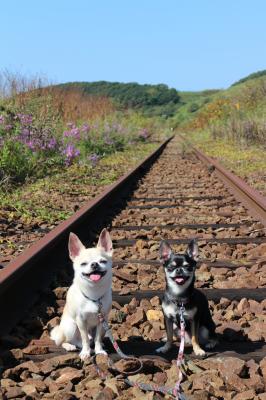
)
(86, 308)
(171, 310)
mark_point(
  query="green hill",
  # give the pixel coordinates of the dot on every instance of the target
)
(255, 75)
(182, 108)
(237, 113)
(158, 99)
(245, 98)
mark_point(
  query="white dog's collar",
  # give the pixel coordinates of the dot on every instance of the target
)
(94, 301)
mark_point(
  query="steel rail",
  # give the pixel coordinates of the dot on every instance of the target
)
(249, 197)
(214, 294)
(23, 278)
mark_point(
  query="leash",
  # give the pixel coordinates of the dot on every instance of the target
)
(174, 391)
(180, 357)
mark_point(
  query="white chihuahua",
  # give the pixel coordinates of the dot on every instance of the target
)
(92, 283)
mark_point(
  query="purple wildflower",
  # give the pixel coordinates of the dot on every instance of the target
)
(2, 119)
(73, 132)
(94, 158)
(70, 152)
(25, 132)
(31, 145)
(143, 134)
(52, 144)
(108, 140)
(85, 128)
(117, 127)
(25, 119)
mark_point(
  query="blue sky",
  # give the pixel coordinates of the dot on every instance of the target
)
(187, 44)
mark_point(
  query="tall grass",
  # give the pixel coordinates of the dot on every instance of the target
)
(238, 115)
(241, 130)
(37, 96)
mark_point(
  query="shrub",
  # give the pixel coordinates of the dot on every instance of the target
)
(28, 149)
(16, 162)
(193, 107)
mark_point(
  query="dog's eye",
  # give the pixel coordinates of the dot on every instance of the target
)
(83, 264)
(171, 267)
(103, 261)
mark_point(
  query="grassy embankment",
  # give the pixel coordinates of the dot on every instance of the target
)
(231, 126)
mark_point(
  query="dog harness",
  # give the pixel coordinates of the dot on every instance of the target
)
(175, 391)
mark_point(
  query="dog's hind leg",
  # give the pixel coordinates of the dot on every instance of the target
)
(57, 334)
(72, 336)
(69, 347)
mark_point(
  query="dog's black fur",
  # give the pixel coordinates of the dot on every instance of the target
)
(180, 279)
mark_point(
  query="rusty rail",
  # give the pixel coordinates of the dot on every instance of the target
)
(251, 198)
(248, 196)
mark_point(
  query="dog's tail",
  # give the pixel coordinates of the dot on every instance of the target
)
(57, 334)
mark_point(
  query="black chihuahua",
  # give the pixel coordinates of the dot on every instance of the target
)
(180, 277)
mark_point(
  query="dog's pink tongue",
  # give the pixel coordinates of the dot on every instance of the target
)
(179, 280)
(95, 277)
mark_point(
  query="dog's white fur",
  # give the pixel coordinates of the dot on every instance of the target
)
(80, 316)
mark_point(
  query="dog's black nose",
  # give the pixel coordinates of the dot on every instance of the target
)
(94, 265)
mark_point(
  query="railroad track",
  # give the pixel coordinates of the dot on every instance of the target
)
(174, 196)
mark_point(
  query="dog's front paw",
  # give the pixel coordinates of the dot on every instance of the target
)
(85, 354)
(199, 352)
(100, 351)
(163, 349)
(211, 344)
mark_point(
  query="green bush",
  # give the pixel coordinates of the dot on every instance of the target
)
(16, 161)
(193, 107)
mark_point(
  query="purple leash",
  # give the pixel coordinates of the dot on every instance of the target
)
(174, 391)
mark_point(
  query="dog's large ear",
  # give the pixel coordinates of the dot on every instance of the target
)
(165, 251)
(74, 246)
(105, 242)
(193, 250)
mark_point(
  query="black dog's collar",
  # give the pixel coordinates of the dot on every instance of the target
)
(179, 301)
